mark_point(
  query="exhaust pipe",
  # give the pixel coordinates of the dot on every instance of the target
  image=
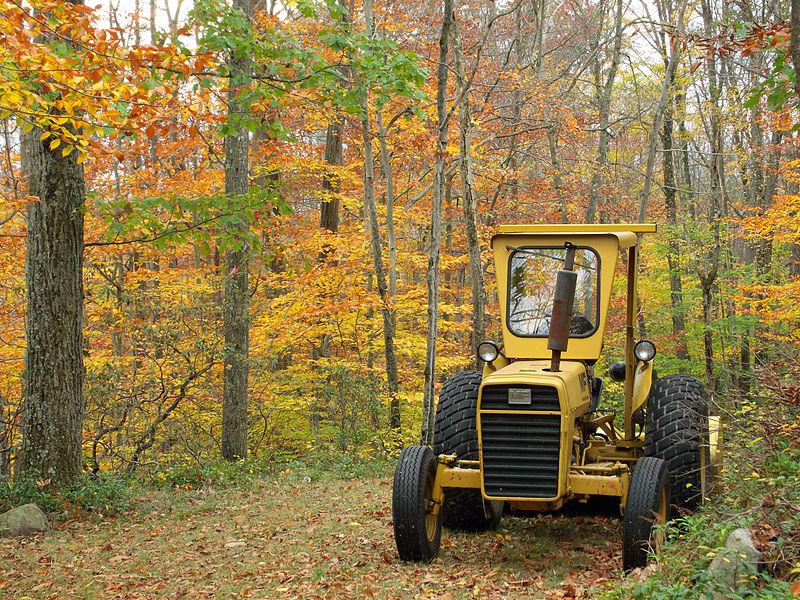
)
(563, 301)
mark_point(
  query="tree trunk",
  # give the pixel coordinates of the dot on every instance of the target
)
(436, 228)
(663, 102)
(673, 249)
(469, 201)
(380, 273)
(237, 294)
(555, 165)
(708, 273)
(603, 90)
(386, 167)
(331, 185)
(53, 403)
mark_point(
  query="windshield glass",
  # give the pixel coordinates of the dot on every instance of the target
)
(532, 284)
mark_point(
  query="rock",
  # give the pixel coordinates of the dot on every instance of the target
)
(22, 520)
(235, 545)
(735, 564)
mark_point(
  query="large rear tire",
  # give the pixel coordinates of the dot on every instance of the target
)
(417, 530)
(647, 505)
(676, 430)
(456, 432)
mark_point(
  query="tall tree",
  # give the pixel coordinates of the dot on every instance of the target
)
(665, 10)
(603, 90)
(377, 258)
(663, 101)
(237, 294)
(53, 412)
(432, 278)
(469, 199)
(708, 269)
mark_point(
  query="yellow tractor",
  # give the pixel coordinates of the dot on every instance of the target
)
(531, 432)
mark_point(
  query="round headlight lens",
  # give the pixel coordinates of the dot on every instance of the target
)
(488, 351)
(645, 350)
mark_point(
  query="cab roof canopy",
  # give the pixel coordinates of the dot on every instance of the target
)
(626, 233)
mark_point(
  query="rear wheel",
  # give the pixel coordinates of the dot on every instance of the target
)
(646, 506)
(456, 432)
(677, 430)
(417, 529)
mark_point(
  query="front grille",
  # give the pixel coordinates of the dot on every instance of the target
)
(543, 397)
(520, 455)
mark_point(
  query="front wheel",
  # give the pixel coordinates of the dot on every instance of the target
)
(417, 523)
(646, 506)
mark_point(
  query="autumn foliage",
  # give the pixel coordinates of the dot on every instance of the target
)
(146, 111)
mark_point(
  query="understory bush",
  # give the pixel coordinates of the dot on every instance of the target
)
(758, 490)
(106, 494)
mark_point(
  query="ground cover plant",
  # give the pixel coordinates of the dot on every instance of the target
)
(759, 490)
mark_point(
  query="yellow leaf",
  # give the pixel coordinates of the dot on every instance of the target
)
(67, 149)
(45, 134)
(55, 144)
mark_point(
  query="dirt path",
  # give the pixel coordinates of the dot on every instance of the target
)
(299, 539)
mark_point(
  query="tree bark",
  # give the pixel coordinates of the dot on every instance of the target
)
(53, 403)
(469, 201)
(603, 90)
(380, 273)
(54, 370)
(707, 273)
(555, 165)
(432, 278)
(236, 323)
(663, 101)
(331, 185)
(391, 241)
(671, 207)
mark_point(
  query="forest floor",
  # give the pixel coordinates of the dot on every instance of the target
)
(293, 537)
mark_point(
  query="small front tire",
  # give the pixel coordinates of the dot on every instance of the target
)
(647, 505)
(417, 525)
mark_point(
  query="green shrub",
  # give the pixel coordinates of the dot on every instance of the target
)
(213, 473)
(106, 494)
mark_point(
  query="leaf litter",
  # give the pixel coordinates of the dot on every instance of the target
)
(290, 538)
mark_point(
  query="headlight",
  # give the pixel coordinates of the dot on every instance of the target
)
(644, 350)
(488, 351)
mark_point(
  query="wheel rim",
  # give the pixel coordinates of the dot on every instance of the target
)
(430, 517)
